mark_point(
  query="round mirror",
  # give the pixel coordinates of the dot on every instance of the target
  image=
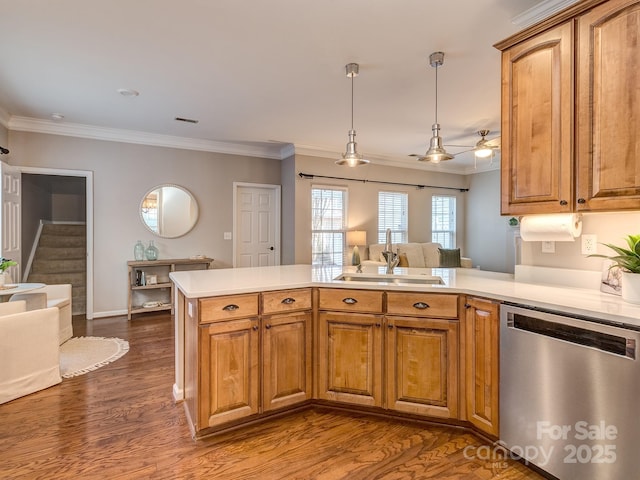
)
(169, 211)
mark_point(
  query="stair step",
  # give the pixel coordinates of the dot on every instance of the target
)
(60, 253)
(74, 279)
(56, 266)
(64, 229)
(62, 241)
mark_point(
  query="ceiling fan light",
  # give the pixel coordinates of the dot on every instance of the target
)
(483, 152)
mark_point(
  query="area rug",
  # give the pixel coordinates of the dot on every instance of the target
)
(80, 355)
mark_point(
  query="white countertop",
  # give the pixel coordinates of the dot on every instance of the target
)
(499, 286)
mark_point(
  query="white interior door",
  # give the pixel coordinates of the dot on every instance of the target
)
(257, 225)
(11, 217)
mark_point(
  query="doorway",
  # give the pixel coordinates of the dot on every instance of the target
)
(256, 225)
(59, 202)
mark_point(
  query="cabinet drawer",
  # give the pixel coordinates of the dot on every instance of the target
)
(231, 306)
(422, 304)
(350, 300)
(286, 301)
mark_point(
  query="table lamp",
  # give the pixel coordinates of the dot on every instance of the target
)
(355, 238)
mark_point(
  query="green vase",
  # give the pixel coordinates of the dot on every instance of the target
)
(151, 252)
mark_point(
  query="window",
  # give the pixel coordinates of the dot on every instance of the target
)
(392, 213)
(443, 220)
(328, 225)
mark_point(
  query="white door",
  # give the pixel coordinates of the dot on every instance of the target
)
(11, 218)
(257, 225)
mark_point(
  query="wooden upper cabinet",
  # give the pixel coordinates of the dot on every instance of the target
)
(571, 124)
(537, 108)
(608, 107)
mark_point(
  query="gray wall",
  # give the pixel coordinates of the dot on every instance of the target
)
(288, 224)
(489, 239)
(122, 174)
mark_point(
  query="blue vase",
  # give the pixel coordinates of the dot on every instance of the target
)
(151, 252)
(138, 251)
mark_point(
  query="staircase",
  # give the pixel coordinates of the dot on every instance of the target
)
(61, 257)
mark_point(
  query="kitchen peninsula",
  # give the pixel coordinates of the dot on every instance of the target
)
(256, 343)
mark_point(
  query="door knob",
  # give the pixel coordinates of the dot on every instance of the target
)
(271, 248)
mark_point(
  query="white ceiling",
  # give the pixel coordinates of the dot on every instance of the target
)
(262, 74)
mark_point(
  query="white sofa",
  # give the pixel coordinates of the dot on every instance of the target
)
(58, 296)
(418, 255)
(29, 350)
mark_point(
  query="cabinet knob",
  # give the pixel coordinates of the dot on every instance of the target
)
(288, 300)
(421, 305)
(231, 308)
(267, 326)
(563, 202)
(582, 201)
(255, 327)
(378, 325)
(350, 301)
(466, 305)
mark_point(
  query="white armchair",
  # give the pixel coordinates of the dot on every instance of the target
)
(58, 296)
(29, 350)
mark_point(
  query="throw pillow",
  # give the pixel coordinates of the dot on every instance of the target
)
(449, 257)
(403, 260)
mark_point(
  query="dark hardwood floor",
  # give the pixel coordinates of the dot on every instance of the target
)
(120, 422)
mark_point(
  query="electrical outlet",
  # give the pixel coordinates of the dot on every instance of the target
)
(589, 244)
(549, 247)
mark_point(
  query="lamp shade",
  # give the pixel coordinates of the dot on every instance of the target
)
(356, 237)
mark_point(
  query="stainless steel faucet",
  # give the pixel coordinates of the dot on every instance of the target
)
(392, 258)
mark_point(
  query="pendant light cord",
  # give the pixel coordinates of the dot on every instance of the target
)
(436, 94)
(352, 76)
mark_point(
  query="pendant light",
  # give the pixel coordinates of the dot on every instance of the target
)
(351, 157)
(436, 152)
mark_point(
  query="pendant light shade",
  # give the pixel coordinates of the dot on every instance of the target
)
(351, 157)
(436, 152)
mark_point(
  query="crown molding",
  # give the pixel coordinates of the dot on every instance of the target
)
(541, 11)
(28, 124)
(4, 118)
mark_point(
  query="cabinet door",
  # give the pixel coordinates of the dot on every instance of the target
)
(229, 371)
(608, 107)
(286, 368)
(537, 118)
(350, 358)
(422, 366)
(482, 363)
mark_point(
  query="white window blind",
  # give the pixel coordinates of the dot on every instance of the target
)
(328, 225)
(392, 213)
(443, 220)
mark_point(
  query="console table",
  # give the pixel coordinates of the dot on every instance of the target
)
(157, 295)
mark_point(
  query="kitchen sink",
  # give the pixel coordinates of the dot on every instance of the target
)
(396, 279)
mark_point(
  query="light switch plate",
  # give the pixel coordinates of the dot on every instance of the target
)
(548, 247)
(227, 235)
(589, 244)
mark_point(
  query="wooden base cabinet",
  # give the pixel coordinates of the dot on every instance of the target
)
(422, 366)
(482, 356)
(350, 365)
(286, 365)
(229, 376)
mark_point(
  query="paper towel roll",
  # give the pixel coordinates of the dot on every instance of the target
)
(561, 227)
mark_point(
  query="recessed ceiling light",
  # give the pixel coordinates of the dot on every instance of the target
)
(57, 116)
(128, 92)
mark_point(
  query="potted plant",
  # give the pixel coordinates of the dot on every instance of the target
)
(4, 264)
(628, 259)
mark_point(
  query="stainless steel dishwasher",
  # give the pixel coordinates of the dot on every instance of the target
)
(570, 394)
